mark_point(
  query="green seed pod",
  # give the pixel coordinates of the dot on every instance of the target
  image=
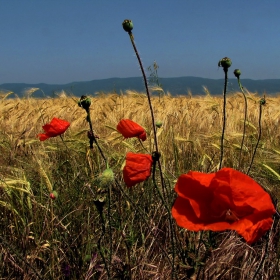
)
(225, 63)
(159, 124)
(107, 177)
(262, 101)
(84, 102)
(127, 25)
(237, 73)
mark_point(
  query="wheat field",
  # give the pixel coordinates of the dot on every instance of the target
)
(44, 239)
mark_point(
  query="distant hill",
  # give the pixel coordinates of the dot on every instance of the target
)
(176, 86)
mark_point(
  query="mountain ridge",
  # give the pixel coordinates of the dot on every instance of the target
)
(176, 86)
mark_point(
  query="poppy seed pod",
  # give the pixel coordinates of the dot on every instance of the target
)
(262, 101)
(159, 124)
(84, 102)
(225, 63)
(237, 73)
(127, 25)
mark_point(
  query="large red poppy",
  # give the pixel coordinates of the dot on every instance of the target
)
(137, 168)
(54, 128)
(227, 199)
(130, 129)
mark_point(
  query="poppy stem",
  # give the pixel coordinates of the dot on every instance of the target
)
(174, 275)
(146, 86)
(224, 120)
(93, 136)
(225, 63)
(262, 102)
(144, 148)
(237, 74)
(64, 143)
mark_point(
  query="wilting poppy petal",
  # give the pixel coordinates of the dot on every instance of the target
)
(137, 168)
(54, 128)
(227, 199)
(130, 129)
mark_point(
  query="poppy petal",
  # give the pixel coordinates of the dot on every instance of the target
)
(54, 128)
(43, 137)
(227, 199)
(131, 129)
(137, 168)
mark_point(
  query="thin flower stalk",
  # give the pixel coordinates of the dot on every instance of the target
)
(156, 157)
(262, 102)
(237, 74)
(85, 103)
(225, 63)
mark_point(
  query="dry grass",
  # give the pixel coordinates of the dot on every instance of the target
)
(43, 235)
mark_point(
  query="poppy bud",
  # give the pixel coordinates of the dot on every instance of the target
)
(237, 73)
(127, 25)
(53, 195)
(159, 124)
(225, 63)
(107, 177)
(84, 102)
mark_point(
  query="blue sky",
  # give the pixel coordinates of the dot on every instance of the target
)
(64, 41)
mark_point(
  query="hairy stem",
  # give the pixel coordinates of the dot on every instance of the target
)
(93, 136)
(259, 137)
(245, 120)
(224, 119)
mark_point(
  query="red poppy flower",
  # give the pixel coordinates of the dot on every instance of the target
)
(54, 128)
(130, 129)
(227, 199)
(137, 168)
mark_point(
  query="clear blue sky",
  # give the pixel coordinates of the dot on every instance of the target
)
(80, 40)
